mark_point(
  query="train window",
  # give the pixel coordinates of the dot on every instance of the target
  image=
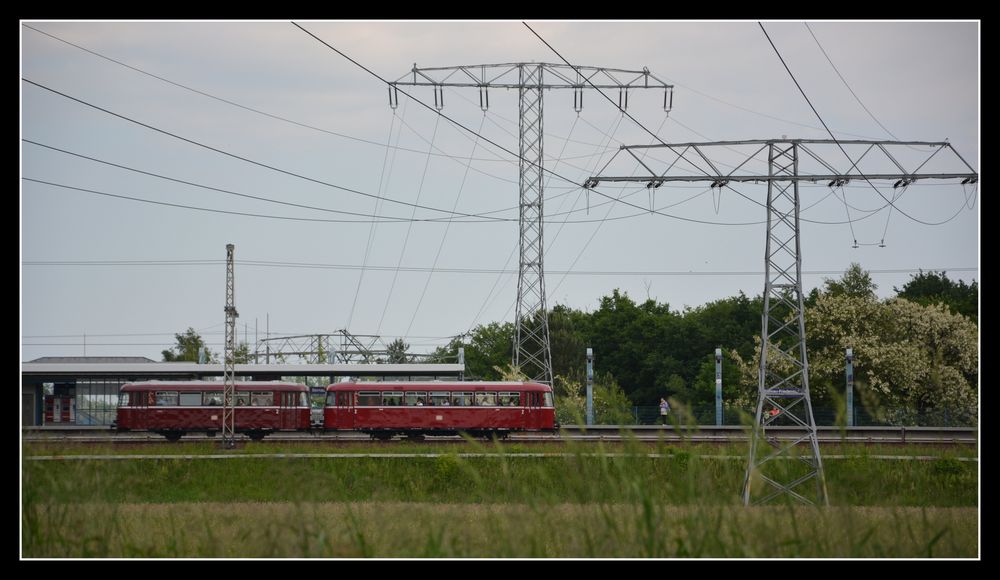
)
(123, 399)
(262, 399)
(369, 399)
(547, 400)
(486, 399)
(242, 399)
(343, 398)
(416, 399)
(166, 398)
(461, 399)
(510, 399)
(303, 400)
(392, 399)
(190, 399)
(212, 399)
(440, 399)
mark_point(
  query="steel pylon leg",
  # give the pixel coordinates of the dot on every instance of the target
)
(531, 323)
(779, 468)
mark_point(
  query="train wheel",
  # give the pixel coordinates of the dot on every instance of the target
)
(256, 435)
(173, 435)
(382, 436)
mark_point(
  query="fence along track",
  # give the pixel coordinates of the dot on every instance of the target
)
(607, 433)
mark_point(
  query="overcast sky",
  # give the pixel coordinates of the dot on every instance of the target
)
(162, 267)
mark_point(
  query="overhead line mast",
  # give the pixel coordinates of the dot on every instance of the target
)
(229, 372)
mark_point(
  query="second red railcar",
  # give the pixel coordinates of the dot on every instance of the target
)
(481, 409)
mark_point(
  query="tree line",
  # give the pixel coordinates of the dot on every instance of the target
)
(915, 352)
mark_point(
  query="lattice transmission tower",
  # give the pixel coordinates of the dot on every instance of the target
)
(532, 352)
(783, 378)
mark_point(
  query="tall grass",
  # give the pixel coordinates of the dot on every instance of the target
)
(588, 503)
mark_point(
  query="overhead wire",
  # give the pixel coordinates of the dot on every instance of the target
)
(406, 239)
(233, 155)
(641, 126)
(843, 80)
(371, 230)
(490, 297)
(245, 107)
(729, 186)
(842, 150)
(317, 220)
(470, 271)
(600, 224)
(196, 208)
(218, 189)
(516, 155)
(444, 236)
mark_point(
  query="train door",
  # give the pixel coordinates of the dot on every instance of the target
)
(345, 410)
(289, 403)
(60, 409)
(533, 404)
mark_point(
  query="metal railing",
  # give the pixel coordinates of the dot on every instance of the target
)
(704, 414)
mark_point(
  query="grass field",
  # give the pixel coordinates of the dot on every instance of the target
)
(583, 504)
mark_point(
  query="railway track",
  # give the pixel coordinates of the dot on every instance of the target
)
(606, 433)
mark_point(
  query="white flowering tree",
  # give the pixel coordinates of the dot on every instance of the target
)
(911, 362)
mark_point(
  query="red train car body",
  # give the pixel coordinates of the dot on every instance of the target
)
(481, 409)
(174, 408)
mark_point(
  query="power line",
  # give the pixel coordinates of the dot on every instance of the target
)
(593, 235)
(888, 202)
(383, 178)
(843, 80)
(440, 220)
(314, 265)
(375, 216)
(644, 128)
(251, 109)
(205, 209)
(562, 225)
(406, 239)
(839, 146)
(444, 236)
(544, 169)
(233, 155)
(490, 295)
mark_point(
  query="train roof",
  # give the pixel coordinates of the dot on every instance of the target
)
(215, 385)
(440, 385)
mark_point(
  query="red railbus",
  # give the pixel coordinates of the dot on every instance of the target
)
(172, 408)
(480, 409)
